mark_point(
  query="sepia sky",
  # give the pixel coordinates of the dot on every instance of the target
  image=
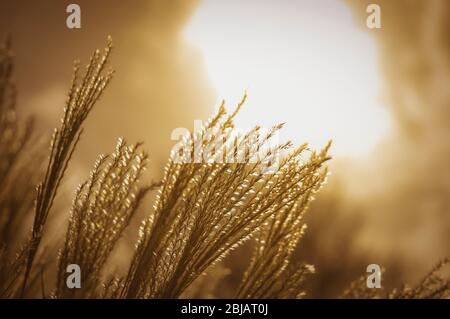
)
(302, 62)
(306, 63)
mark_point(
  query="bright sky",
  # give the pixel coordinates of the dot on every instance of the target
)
(302, 62)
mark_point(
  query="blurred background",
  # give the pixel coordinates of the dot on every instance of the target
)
(382, 95)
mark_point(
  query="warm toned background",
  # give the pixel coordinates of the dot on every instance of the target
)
(390, 206)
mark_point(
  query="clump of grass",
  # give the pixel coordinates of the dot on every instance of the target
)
(82, 97)
(434, 285)
(203, 209)
(15, 190)
(269, 274)
(101, 210)
(13, 135)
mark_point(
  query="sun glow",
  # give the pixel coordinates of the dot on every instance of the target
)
(302, 62)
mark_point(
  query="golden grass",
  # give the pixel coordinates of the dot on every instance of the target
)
(203, 210)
